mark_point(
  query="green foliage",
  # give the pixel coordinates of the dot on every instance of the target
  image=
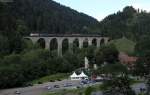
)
(22, 17)
(4, 45)
(50, 17)
(119, 85)
(12, 59)
(124, 45)
(46, 16)
(107, 53)
(129, 23)
(116, 69)
(32, 65)
(73, 59)
(148, 86)
(88, 91)
(143, 46)
(90, 52)
(143, 51)
(139, 68)
(58, 76)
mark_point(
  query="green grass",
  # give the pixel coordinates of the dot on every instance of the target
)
(124, 45)
(59, 76)
(132, 81)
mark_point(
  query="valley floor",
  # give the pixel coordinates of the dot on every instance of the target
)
(41, 89)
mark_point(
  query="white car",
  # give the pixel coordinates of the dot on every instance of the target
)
(17, 92)
(48, 87)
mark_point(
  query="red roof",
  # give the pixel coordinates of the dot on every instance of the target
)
(125, 59)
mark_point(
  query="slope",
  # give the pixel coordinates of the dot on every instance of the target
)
(21, 17)
(131, 23)
(124, 45)
(47, 16)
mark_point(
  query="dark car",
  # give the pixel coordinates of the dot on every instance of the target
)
(92, 81)
(84, 82)
(56, 86)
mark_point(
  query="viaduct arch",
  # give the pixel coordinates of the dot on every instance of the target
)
(53, 41)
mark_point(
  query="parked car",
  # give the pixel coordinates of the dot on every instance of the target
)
(67, 84)
(48, 87)
(84, 82)
(92, 81)
(56, 86)
(17, 92)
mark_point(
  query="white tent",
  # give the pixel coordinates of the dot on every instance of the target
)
(83, 76)
(74, 76)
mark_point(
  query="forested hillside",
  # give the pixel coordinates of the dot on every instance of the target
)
(124, 45)
(131, 23)
(20, 61)
(47, 16)
(21, 17)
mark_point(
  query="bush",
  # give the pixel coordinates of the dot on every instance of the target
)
(39, 82)
(51, 80)
(88, 91)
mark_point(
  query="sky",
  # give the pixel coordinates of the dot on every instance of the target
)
(99, 9)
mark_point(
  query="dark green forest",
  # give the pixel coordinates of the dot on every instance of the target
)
(131, 23)
(21, 62)
(22, 17)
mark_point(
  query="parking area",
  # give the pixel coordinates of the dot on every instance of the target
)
(39, 89)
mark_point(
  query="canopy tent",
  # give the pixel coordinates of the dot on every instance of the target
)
(74, 76)
(83, 76)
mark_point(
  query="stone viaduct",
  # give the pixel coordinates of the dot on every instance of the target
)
(96, 40)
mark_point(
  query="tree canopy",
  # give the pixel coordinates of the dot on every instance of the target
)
(130, 23)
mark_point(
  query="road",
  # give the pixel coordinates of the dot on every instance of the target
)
(40, 89)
